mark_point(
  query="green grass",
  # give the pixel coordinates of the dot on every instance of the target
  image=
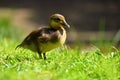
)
(61, 63)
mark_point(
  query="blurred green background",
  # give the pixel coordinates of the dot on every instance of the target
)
(90, 20)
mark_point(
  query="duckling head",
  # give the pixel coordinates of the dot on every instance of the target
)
(58, 21)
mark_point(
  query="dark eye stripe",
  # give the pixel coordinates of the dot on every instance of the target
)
(57, 19)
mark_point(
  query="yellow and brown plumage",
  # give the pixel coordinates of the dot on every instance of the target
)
(45, 39)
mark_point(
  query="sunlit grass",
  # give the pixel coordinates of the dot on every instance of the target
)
(61, 63)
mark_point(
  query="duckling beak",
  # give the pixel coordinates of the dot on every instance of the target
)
(66, 24)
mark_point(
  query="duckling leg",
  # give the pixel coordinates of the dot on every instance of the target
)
(39, 54)
(44, 56)
(38, 50)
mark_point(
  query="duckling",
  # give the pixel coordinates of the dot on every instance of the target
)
(45, 39)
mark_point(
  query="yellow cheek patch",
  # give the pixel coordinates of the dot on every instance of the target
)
(54, 24)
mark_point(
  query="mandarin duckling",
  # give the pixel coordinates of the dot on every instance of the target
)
(45, 39)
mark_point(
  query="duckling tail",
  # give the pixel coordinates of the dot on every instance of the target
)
(18, 46)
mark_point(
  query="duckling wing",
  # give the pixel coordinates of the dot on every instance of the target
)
(43, 35)
(48, 35)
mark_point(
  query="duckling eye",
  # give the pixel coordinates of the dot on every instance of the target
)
(56, 19)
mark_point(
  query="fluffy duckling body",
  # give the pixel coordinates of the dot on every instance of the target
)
(45, 39)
